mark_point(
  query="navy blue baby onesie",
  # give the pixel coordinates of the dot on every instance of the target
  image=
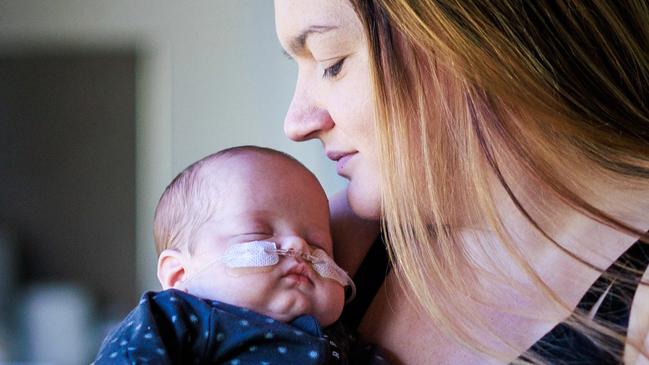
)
(173, 327)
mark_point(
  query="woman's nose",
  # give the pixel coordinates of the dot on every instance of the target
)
(305, 119)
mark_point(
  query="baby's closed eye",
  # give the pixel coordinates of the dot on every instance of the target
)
(253, 236)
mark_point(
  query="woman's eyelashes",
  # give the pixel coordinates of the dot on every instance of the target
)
(333, 70)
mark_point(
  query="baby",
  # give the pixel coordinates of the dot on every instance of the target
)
(245, 258)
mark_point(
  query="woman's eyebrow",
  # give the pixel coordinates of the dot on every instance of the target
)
(298, 44)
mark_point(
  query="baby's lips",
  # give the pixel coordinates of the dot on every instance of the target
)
(302, 269)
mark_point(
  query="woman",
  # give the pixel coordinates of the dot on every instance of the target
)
(504, 145)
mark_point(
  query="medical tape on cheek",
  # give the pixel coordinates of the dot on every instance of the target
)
(327, 268)
(243, 258)
(265, 253)
(251, 254)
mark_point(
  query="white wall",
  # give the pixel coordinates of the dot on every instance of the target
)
(210, 75)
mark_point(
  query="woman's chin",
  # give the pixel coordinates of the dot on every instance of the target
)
(364, 202)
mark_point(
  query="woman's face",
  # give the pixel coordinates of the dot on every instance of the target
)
(332, 96)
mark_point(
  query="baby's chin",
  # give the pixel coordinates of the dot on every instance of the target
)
(288, 317)
(282, 317)
(324, 319)
(287, 309)
(287, 312)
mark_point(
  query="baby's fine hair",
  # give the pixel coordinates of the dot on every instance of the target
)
(189, 200)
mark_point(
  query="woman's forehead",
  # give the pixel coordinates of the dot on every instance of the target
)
(334, 11)
(295, 17)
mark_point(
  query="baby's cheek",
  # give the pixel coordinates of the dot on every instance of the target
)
(247, 290)
(332, 303)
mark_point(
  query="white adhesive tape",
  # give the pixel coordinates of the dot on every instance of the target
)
(266, 253)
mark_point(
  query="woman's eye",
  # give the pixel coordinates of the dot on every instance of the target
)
(334, 70)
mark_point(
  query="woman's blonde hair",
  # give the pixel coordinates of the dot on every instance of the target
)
(551, 94)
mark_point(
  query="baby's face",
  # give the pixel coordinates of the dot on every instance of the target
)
(266, 198)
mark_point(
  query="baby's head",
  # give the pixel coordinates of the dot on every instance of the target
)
(241, 195)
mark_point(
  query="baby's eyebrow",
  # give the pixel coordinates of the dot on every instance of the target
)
(298, 44)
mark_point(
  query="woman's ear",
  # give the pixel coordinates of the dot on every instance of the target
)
(171, 269)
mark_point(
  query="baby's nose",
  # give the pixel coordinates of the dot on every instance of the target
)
(297, 244)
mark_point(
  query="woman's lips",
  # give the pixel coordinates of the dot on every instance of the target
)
(341, 159)
(340, 164)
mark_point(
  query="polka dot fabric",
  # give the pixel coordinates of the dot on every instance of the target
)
(173, 327)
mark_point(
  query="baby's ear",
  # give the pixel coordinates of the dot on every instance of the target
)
(171, 269)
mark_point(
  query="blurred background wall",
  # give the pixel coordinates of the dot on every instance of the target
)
(102, 102)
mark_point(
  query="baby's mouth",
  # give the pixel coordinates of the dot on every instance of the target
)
(299, 272)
